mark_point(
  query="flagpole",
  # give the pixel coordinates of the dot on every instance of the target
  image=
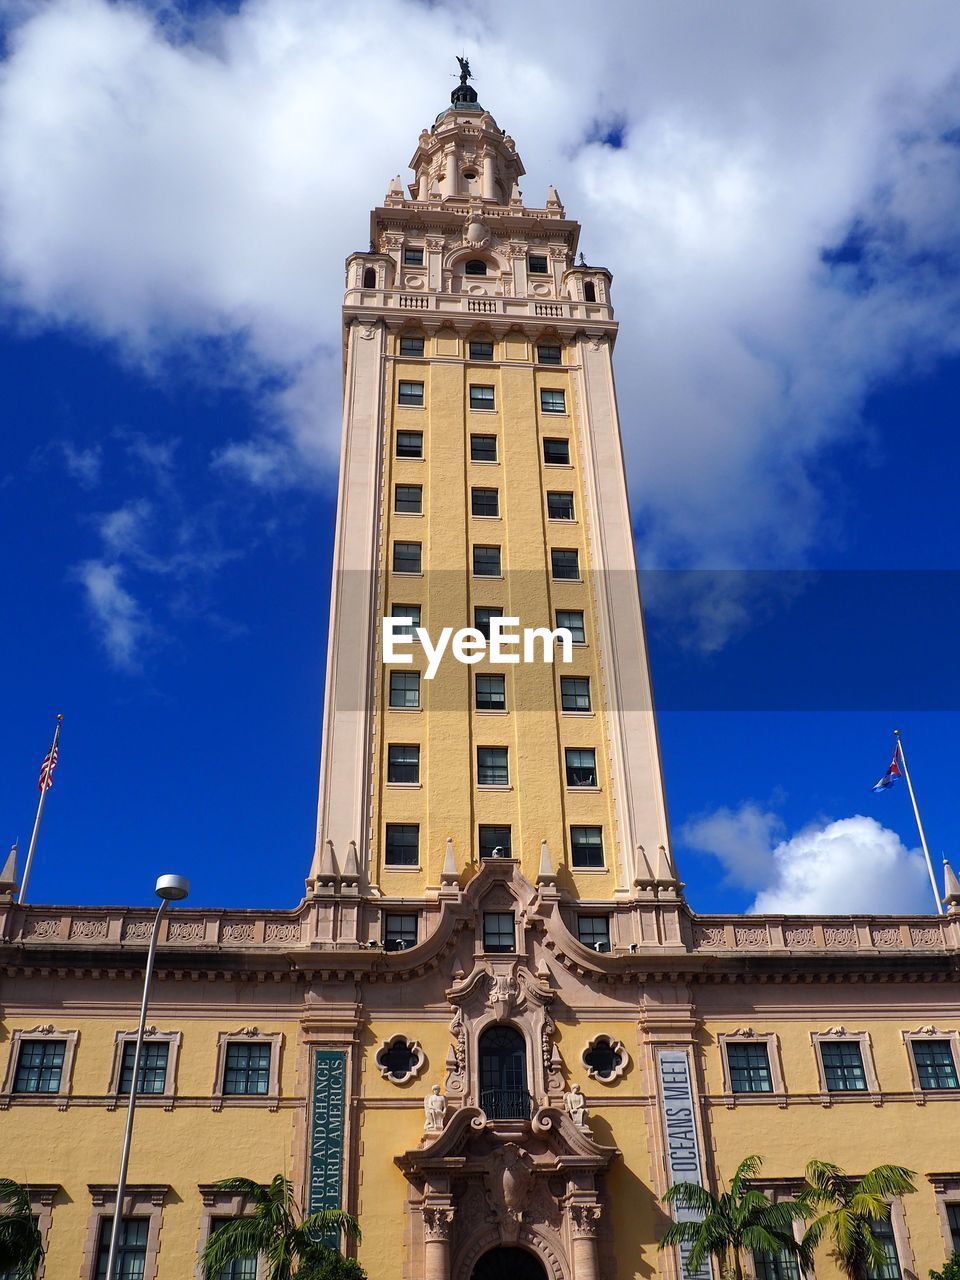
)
(21, 898)
(916, 814)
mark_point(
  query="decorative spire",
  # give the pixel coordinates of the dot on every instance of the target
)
(464, 94)
(8, 876)
(546, 875)
(951, 888)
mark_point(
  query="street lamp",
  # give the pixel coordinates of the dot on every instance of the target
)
(169, 889)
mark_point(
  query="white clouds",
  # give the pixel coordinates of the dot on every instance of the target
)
(120, 624)
(852, 865)
(158, 192)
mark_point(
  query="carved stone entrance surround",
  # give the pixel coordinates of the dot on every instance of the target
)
(482, 1183)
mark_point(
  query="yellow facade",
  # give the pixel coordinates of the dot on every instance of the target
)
(500, 984)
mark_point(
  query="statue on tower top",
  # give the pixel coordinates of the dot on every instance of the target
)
(464, 94)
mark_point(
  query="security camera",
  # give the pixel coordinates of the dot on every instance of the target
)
(373, 944)
(633, 948)
(601, 946)
(400, 945)
(498, 852)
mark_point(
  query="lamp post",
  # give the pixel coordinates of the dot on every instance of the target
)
(169, 889)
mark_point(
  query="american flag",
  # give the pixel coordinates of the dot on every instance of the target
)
(47, 768)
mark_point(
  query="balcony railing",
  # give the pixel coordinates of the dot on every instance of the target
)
(505, 1104)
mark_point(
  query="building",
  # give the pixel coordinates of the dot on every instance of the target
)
(493, 920)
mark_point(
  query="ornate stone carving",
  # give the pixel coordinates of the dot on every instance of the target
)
(750, 937)
(457, 1055)
(709, 935)
(886, 936)
(436, 244)
(923, 935)
(416, 1057)
(44, 1029)
(843, 936)
(619, 1059)
(799, 936)
(838, 1032)
(437, 1222)
(89, 929)
(283, 931)
(434, 1111)
(137, 930)
(585, 1219)
(508, 1180)
(503, 994)
(185, 931)
(575, 1105)
(46, 928)
(238, 931)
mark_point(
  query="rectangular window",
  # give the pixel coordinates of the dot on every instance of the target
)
(594, 932)
(406, 557)
(549, 353)
(494, 838)
(403, 844)
(565, 564)
(411, 394)
(953, 1221)
(409, 444)
(581, 766)
(586, 846)
(560, 506)
(412, 256)
(399, 931)
(484, 502)
(777, 1266)
(749, 1067)
(481, 398)
(246, 1069)
(936, 1068)
(537, 264)
(486, 562)
(39, 1066)
(483, 448)
(498, 931)
(408, 499)
(152, 1076)
(481, 619)
(572, 620)
(409, 611)
(575, 693)
(491, 693)
(552, 400)
(481, 350)
(404, 688)
(403, 763)
(843, 1066)
(556, 453)
(131, 1260)
(240, 1268)
(410, 346)
(492, 769)
(883, 1234)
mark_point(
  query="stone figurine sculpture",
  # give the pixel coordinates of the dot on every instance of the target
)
(576, 1106)
(434, 1110)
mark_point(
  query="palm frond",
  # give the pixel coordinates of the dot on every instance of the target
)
(887, 1180)
(238, 1238)
(679, 1233)
(319, 1223)
(690, 1195)
(254, 1191)
(747, 1169)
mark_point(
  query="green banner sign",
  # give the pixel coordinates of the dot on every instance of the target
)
(325, 1189)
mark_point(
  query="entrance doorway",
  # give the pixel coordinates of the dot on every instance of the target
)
(509, 1264)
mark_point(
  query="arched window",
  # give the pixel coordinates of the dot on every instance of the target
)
(589, 291)
(503, 1074)
(369, 277)
(476, 267)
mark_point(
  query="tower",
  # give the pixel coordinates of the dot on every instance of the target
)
(482, 474)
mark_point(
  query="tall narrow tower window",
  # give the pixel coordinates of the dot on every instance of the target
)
(476, 267)
(589, 292)
(369, 278)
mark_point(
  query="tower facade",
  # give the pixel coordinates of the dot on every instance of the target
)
(492, 1029)
(481, 478)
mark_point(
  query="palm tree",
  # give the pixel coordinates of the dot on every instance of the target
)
(289, 1240)
(21, 1248)
(739, 1219)
(848, 1207)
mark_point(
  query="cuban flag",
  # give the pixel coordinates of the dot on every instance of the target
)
(894, 772)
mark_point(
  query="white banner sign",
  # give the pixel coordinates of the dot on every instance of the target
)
(675, 1081)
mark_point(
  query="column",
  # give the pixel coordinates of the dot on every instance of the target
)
(448, 186)
(584, 1220)
(437, 1224)
(487, 174)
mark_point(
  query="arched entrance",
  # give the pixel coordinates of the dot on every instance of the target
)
(509, 1264)
(503, 1074)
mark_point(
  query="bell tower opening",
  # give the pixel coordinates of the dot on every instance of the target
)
(503, 1074)
(506, 1263)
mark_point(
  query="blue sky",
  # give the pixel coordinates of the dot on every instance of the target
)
(169, 411)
